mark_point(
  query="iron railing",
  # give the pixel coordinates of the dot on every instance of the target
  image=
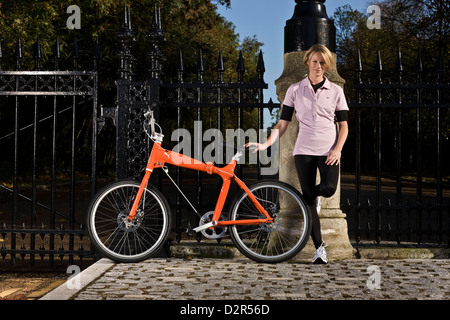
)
(42, 113)
(401, 183)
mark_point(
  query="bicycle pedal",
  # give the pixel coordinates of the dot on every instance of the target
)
(205, 226)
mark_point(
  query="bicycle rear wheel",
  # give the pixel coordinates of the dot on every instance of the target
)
(114, 236)
(277, 241)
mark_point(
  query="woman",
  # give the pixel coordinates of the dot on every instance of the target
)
(318, 105)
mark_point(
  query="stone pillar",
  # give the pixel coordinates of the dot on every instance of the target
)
(308, 26)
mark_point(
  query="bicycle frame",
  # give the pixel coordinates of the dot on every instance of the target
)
(159, 157)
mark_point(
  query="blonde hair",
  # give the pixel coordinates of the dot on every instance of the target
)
(330, 62)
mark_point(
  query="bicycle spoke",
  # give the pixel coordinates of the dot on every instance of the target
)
(127, 240)
(276, 241)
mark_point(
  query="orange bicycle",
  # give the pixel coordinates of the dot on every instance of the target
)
(129, 221)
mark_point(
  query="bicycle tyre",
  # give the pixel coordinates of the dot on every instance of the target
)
(144, 237)
(271, 242)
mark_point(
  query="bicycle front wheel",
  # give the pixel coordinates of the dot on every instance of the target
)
(124, 241)
(277, 241)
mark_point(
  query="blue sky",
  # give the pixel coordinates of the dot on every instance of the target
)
(266, 19)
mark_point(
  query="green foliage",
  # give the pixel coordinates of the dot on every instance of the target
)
(406, 25)
(409, 26)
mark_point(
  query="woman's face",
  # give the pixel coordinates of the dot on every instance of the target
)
(317, 65)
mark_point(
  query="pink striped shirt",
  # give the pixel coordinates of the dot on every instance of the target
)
(315, 112)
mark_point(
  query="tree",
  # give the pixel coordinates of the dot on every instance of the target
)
(409, 26)
(406, 25)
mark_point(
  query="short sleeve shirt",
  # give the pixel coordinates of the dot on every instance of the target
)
(315, 112)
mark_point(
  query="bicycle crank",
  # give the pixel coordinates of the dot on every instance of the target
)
(205, 224)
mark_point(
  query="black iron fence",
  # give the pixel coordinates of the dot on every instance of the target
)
(48, 118)
(50, 129)
(401, 138)
(398, 191)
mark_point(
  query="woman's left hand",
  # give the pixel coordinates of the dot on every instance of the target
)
(333, 158)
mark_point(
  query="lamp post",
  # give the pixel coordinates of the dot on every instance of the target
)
(310, 25)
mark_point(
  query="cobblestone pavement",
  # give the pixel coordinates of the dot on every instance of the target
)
(213, 279)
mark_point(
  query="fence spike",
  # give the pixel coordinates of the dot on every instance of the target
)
(75, 54)
(379, 66)
(439, 67)
(419, 66)
(261, 67)
(96, 52)
(159, 18)
(200, 67)
(57, 53)
(57, 50)
(358, 61)
(42, 234)
(61, 234)
(23, 234)
(125, 17)
(128, 13)
(22, 254)
(399, 66)
(399, 61)
(220, 67)
(80, 254)
(180, 66)
(37, 53)
(61, 250)
(37, 49)
(19, 54)
(240, 67)
(270, 105)
(155, 22)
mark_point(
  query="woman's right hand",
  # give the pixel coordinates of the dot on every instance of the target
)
(256, 146)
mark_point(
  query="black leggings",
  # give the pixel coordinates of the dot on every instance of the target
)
(329, 176)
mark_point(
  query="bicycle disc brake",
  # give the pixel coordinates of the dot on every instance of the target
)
(216, 232)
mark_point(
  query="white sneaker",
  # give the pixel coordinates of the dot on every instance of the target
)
(318, 204)
(320, 256)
